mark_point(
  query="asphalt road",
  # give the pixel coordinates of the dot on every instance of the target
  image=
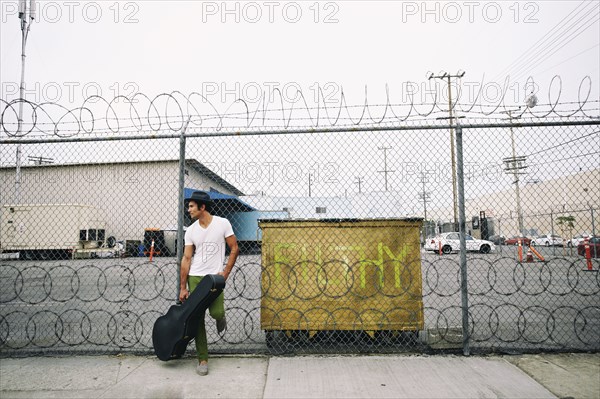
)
(109, 305)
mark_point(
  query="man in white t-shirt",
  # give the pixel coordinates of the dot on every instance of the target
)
(204, 253)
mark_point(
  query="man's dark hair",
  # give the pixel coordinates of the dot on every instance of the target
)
(208, 205)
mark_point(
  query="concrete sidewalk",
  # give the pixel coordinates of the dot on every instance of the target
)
(397, 376)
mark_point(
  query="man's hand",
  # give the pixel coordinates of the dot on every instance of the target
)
(186, 262)
(233, 254)
(183, 294)
(224, 274)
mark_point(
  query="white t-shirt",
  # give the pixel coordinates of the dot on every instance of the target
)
(209, 254)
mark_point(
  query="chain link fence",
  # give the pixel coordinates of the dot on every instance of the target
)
(350, 238)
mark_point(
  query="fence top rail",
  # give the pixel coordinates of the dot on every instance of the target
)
(305, 130)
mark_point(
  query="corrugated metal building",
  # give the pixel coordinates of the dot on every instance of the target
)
(131, 196)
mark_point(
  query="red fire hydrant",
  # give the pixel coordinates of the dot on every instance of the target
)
(588, 253)
(151, 250)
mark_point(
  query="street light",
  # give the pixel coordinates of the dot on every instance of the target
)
(27, 16)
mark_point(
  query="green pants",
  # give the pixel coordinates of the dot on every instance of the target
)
(217, 312)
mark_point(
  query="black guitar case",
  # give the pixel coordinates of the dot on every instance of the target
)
(173, 331)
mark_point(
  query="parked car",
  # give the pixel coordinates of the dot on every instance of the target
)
(594, 242)
(497, 239)
(514, 241)
(548, 240)
(574, 242)
(450, 242)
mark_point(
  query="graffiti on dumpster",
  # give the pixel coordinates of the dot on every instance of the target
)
(343, 259)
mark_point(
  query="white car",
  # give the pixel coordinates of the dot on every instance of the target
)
(450, 242)
(548, 240)
(574, 242)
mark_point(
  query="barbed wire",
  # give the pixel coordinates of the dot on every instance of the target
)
(168, 112)
(112, 307)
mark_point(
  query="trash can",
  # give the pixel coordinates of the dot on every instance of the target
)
(342, 274)
(132, 247)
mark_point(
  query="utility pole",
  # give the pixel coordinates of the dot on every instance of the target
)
(515, 165)
(385, 170)
(40, 160)
(359, 182)
(26, 21)
(448, 77)
(424, 195)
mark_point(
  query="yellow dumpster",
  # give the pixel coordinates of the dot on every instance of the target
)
(324, 275)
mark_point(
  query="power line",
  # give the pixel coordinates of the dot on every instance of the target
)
(483, 173)
(563, 42)
(570, 58)
(527, 52)
(565, 143)
(540, 54)
(516, 65)
(568, 159)
(542, 39)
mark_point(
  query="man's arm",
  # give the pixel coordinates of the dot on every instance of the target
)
(233, 254)
(186, 263)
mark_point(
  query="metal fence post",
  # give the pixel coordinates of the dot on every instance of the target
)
(593, 221)
(552, 232)
(180, 205)
(463, 243)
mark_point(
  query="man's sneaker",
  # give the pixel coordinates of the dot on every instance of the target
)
(221, 325)
(202, 369)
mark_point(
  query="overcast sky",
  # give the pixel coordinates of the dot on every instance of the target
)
(234, 49)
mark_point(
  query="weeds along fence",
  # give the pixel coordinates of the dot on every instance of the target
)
(337, 229)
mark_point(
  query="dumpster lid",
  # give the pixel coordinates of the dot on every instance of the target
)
(341, 220)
